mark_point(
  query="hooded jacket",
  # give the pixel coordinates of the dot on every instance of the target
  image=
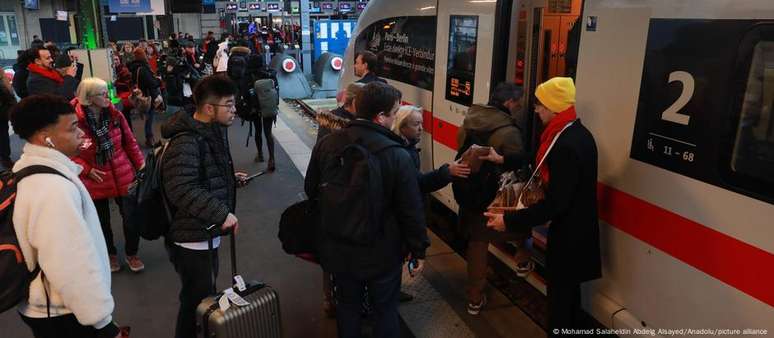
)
(58, 229)
(198, 177)
(127, 156)
(403, 222)
(142, 76)
(220, 62)
(494, 127)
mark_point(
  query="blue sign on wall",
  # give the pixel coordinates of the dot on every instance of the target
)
(129, 6)
(332, 36)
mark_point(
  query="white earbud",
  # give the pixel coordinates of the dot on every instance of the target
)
(49, 143)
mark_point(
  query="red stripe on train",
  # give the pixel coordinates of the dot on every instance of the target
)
(734, 262)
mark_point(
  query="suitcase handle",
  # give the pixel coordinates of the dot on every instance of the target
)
(212, 260)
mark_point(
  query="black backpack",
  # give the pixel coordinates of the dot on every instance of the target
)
(145, 205)
(14, 277)
(352, 179)
(478, 190)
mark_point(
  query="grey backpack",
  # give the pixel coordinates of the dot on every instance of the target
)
(267, 96)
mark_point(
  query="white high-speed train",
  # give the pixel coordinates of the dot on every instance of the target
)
(679, 96)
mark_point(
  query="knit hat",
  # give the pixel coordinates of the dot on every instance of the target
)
(139, 54)
(557, 94)
(62, 61)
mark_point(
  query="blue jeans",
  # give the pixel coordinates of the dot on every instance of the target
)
(383, 290)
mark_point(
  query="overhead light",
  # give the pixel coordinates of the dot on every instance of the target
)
(482, 1)
(426, 8)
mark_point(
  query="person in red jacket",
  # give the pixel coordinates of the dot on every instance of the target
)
(110, 158)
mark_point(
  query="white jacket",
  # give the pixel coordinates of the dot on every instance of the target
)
(221, 57)
(58, 228)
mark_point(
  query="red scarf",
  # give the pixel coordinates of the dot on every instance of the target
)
(47, 73)
(552, 129)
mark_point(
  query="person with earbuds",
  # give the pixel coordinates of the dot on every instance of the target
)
(57, 226)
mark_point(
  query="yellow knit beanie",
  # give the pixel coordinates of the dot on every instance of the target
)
(557, 94)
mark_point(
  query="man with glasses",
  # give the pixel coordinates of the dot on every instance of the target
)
(199, 183)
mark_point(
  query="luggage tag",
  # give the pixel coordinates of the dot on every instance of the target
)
(235, 298)
(223, 303)
(239, 282)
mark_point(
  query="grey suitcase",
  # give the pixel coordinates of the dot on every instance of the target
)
(259, 319)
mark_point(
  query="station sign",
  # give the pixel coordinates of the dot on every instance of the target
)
(273, 7)
(361, 5)
(345, 7)
(232, 7)
(254, 6)
(326, 6)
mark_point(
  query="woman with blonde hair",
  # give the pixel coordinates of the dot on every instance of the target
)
(110, 158)
(409, 125)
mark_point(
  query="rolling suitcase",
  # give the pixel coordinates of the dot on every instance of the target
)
(257, 317)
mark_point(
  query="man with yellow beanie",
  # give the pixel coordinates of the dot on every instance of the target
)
(568, 174)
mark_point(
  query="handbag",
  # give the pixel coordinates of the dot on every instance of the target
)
(140, 102)
(514, 195)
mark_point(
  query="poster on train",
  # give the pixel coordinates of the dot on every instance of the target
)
(405, 47)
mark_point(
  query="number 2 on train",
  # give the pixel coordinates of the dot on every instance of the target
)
(671, 114)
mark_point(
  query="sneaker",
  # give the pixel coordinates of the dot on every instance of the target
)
(114, 265)
(524, 268)
(475, 309)
(135, 264)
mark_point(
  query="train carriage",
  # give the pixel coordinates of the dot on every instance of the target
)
(679, 96)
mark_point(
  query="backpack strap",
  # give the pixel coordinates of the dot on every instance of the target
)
(36, 169)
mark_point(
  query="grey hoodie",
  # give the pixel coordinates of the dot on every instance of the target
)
(494, 127)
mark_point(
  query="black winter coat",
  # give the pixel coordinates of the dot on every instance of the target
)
(144, 78)
(38, 84)
(330, 121)
(370, 77)
(198, 177)
(571, 205)
(20, 76)
(432, 180)
(404, 220)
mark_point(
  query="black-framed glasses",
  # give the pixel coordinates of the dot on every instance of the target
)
(230, 106)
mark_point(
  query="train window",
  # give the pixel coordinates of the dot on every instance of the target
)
(461, 63)
(753, 153)
(405, 47)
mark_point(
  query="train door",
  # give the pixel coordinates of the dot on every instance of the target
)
(463, 64)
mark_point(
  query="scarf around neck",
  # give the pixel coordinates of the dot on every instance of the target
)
(553, 128)
(47, 73)
(101, 131)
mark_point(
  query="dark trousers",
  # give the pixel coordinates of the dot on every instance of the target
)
(563, 306)
(149, 120)
(59, 327)
(264, 124)
(130, 233)
(383, 290)
(5, 140)
(193, 268)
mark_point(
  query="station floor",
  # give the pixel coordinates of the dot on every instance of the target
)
(147, 301)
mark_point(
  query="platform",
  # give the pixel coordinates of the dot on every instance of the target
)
(147, 301)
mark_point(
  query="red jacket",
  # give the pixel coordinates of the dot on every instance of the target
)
(120, 170)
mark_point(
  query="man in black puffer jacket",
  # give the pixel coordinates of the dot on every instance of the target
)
(199, 181)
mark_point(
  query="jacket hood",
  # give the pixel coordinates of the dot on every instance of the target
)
(372, 133)
(239, 50)
(482, 118)
(333, 120)
(183, 121)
